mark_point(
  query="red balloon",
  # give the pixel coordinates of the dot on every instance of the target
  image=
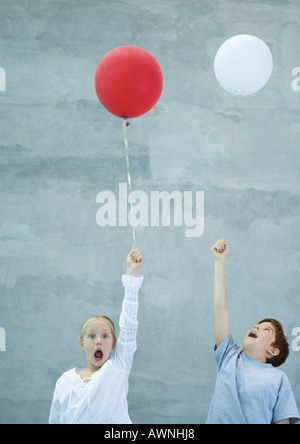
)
(128, 81)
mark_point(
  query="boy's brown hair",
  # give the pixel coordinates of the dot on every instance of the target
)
(280, 342)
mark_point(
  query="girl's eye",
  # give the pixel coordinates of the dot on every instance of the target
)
(92, 336)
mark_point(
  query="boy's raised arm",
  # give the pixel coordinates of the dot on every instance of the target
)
(222, 327)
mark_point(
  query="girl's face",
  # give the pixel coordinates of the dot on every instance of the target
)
(97, 343)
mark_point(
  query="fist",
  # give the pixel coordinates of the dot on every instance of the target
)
(220, 249)
(135, 261)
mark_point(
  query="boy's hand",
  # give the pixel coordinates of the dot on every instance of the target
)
(220, 250)
(222, 326)
(134, 262)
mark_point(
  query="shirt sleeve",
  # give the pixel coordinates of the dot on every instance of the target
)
(128, 323)
(225, 349)
(286, 407)
(54, 417)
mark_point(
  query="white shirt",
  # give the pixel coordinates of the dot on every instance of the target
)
(103, 400)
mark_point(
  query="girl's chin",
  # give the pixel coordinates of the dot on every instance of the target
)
(98, 363)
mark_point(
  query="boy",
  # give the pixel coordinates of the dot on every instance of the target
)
(249, 389)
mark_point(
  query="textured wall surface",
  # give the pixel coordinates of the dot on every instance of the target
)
(59, 148)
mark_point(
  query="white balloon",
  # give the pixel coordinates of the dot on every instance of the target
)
(243, 65)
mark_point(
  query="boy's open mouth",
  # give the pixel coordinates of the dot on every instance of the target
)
(98, 355)
(253, 334)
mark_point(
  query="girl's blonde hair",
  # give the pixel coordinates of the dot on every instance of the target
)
(99, 318)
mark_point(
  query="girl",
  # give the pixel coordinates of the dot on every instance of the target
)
(98, 393)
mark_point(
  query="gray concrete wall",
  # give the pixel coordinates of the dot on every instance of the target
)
(59, 148)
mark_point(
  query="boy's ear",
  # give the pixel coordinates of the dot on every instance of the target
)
(273, 351)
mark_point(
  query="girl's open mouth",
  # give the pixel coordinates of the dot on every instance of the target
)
(98, 355)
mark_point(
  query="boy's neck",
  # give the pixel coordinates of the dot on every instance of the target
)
(261, 359)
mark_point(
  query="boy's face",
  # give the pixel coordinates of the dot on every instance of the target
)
(97, 343)
(258, 342)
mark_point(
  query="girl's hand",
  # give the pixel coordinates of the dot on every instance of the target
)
(220, 250)
(134, 262)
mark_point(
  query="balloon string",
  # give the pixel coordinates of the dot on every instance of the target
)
(230, 162)
(125, 125)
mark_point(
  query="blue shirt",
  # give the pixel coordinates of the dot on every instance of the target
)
(248, 391)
